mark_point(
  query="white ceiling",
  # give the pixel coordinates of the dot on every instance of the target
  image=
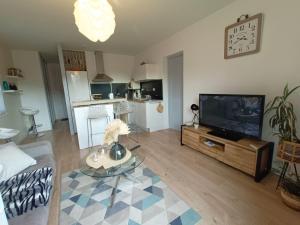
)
(42, 24)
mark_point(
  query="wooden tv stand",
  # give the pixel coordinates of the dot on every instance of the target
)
(251, 156)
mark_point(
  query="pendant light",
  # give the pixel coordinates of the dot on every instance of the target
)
(95, 19)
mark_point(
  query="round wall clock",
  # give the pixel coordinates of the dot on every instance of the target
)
(243, 38)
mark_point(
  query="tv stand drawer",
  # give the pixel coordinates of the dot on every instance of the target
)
(191, 139)
(240, 158)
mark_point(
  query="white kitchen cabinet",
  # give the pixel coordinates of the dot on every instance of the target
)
(138, 115)
(146, 72)
(146, 116)
(155, 119)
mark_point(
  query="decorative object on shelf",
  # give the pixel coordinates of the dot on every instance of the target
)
(74, 60)
(111, 136)
(243, 38)
(14, 72)
(95, 19)
(195, 111)
(189, 124)
(160, 108)
(283, 123)
(5, 85)
(9, 86)
(12, 86)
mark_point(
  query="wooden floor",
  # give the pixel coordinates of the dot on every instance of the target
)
(222, 195)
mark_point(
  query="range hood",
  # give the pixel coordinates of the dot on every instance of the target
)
(100, 77)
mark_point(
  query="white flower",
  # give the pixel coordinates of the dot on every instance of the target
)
(113, 130)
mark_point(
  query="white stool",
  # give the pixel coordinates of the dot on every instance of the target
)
(7, 134)
(95, 112)
(31, 114)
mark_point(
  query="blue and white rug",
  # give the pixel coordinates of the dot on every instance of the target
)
(85, 201)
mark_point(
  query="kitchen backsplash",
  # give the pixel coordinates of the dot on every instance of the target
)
(153, 88)
(119, 89)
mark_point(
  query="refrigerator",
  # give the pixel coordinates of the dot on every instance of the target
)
(79, 89)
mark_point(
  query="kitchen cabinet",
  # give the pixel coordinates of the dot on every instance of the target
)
(146, 72)
(146, 116)
(155, 119)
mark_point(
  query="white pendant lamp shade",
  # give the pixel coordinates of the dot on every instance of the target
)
(95, 19)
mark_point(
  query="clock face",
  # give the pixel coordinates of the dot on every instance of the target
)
(243, 38)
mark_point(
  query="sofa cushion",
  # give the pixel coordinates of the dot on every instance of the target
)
(26, 191)
(13, 160)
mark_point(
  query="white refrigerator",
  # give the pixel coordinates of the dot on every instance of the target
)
(79, 89)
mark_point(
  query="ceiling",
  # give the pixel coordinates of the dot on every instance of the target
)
(41, 25)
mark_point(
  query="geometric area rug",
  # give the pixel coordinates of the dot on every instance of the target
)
(85, 201)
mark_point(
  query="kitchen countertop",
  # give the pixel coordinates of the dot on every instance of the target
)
(97, 102)
(145, 101)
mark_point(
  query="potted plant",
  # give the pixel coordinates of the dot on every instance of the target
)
(283, 123)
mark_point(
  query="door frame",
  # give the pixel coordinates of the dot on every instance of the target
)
(179, 53)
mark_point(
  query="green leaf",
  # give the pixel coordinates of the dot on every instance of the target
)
(285, 90)
(270, 105)
(283, 117)
(291, 91)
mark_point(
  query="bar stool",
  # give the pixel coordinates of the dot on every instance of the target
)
(122, 112)
(95, 113)
(7, 134)
(30, 112)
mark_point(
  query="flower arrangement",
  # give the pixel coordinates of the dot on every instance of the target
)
(113, 130)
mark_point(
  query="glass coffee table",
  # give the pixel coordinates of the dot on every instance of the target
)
(123, 169)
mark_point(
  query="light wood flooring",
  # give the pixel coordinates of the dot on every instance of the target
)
(221, 194)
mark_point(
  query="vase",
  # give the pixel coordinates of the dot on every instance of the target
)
(117, 151)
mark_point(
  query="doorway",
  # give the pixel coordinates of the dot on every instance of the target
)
(54, 90)
(175, 90)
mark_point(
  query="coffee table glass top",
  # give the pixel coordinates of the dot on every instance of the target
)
(134, 161)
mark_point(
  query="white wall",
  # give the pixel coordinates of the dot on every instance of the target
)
(34, 95)
(13, 118)
(119, 67)
(206, 71)
(5, 60)
(56, 91)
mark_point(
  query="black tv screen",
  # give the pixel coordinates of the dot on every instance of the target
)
(241, 114)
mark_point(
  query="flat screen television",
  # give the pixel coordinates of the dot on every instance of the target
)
(232, 116)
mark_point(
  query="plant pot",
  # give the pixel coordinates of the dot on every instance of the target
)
(290, 200)
(117, 151)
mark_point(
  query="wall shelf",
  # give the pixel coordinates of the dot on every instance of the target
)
(12, 91)
(14, 77)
